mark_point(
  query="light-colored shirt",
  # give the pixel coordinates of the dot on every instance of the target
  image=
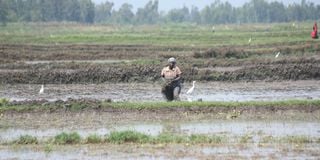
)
(170, 73)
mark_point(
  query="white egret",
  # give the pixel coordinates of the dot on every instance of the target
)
(192, 88)
(41, 89)
(249, 41)
(277, 55)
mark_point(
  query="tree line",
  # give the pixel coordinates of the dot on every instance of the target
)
(85, 11)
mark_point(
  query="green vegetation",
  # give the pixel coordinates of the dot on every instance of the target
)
(296, 139)
(170, 138)
(4, 102)
(205, 139)
(218, 12)
(187, 35)
(65, 138)
(78, 106)
(48, 148)
(267, 139)
(94, 139)
(26, 139)
(122, 137)
(158, 105)
(246, 138)
(128, 136)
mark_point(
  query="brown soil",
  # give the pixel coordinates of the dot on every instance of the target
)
(249, 63)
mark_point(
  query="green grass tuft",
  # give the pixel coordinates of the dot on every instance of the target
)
(246, 138)
(205, 139)
(65, 138)
(296, 139)
(4, 102)
(169, 138)
(94, 139)
(26, 139)
(128, 136)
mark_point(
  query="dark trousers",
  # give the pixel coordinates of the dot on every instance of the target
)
(171, 90)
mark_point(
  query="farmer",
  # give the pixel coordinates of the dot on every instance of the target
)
(171, 75)
(314, 33)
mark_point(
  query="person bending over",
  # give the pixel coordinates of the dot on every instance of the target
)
(171, 74)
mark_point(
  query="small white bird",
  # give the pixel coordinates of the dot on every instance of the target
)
(192, 88)
(277, 55)
(41, 89)
(249, 41)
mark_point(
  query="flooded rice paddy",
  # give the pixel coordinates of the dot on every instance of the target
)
(161, 152)
(206, 91)
(231, 129)
(256, 130)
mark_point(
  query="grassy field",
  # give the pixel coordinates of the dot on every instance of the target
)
(171, 34)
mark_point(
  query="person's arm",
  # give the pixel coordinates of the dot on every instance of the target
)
(178, 77)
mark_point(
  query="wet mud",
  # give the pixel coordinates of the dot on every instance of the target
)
(66, 64)
(206, 91)
(169, 151)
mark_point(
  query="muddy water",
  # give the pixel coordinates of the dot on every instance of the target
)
(14, 133)
(212, 91)
(230, 129)
(172, 151)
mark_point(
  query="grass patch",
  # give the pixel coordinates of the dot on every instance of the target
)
(128, 136)
(205, 139)
(296, 139)
(166, 35)
(246, 138)
(4, 102)
(267, 139)
(122, 137)
(155, 105)
(169, 138)
(26, 139)
(48, 148)
(65, 138)
(94, 138)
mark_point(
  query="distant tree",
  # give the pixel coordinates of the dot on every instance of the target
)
(103, 12)
(73, 10)
(178, 15)
(149, 14)
(46, 11)
(260, 10)
(295, 12)
(3, 12)
(206, 15)
(277, 12)
(58, 10)
(124, 14)
(195, 15)
(222, 13)
(87, 11)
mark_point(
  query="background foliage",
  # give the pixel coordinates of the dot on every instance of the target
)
(85, 11)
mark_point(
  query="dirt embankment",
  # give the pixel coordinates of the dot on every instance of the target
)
(82, 105)
(234, 64)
